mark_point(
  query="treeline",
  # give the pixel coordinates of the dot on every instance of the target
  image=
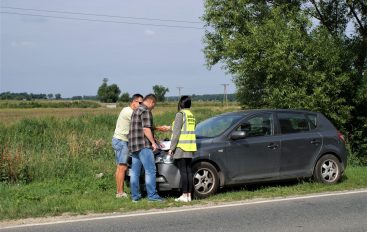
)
(25, 96)
(207, 97)
(48, 104)
(41, 96)
(92, 98)
(31, 96)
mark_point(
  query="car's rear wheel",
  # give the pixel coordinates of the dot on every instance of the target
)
(327, 170)
(205, 180)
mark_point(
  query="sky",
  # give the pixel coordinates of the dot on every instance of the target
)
(56, 54)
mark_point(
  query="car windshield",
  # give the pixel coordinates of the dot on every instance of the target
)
(215, 126)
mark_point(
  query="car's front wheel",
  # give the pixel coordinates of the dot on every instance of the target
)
(205, 179)
(327, 170)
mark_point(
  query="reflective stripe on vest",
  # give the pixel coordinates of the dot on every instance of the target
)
(187, 139)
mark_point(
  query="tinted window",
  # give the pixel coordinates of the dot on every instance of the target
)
(293, 123)
(215, 126)
(260, 125)
(312, 119)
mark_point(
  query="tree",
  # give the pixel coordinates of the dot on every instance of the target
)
(125, 97)
(50, 96)
(160, 91)
(108, 93)
(57, 96)
(102, 91)
(76, 98)
(295, 54)
(113, 92)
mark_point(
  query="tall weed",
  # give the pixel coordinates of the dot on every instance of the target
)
(47, 148)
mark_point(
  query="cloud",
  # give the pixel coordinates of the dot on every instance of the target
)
(24, 44)
(149, 32)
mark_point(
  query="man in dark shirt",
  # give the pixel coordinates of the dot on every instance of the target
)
(141, 145)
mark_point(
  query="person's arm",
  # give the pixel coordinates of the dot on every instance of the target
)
(146, 118)
(163, 128)
(148, 133)
(176, 132)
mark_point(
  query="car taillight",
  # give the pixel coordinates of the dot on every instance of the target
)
(341, 136)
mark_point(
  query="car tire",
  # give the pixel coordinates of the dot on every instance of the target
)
(205, 180)
(327, 170)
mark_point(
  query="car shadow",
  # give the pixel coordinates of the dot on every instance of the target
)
(253, 187)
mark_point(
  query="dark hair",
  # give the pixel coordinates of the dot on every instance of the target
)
(184, 103)
(150, 96)
(135, 96)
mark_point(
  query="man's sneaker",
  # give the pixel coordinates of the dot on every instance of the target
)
(121, 195)
(136, 200)
(183, 198)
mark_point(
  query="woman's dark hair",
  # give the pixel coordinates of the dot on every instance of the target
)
(184, 103)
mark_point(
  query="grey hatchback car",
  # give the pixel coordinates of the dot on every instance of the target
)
(257, 146)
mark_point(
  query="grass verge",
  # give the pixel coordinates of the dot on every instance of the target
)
(96, 195)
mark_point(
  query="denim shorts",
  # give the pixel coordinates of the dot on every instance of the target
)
(121, 150)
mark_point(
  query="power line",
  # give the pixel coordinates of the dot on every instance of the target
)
(101, 15)
(103, 21)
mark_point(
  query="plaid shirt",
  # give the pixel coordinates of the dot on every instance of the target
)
(141, 118)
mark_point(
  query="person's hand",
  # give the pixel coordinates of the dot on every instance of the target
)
(170, 152)
(163, 128)
(161, 145)
(154, 146)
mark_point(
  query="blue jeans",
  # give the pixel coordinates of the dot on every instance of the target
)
(145, 158)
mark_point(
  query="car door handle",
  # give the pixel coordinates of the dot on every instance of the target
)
(273, 146)
(315, 141)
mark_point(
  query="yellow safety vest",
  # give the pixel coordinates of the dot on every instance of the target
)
(187, 139)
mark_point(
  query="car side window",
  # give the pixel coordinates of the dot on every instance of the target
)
(293, 123)
(260, 125)
(312, 118)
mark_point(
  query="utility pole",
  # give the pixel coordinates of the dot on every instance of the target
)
(225, 100)
(179, 92)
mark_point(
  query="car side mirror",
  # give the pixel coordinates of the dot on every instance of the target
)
(235, 135)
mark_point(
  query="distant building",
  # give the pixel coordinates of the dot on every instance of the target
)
(111, 105)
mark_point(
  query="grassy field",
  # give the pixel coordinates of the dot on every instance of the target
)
(49, 158)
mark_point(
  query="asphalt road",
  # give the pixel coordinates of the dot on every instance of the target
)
(333, 212)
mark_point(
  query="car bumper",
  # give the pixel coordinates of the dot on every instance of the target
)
(167, 175)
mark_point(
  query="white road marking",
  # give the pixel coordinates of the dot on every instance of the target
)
(166, 211)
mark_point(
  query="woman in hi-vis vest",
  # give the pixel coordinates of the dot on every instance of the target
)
(183, 145)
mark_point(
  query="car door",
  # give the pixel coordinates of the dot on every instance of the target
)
(257, 156)
(300, 144)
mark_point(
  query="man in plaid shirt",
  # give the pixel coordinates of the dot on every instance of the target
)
(141, 145)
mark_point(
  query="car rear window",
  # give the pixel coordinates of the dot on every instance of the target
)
(293, 123)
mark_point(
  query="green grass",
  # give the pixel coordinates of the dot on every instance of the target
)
(88, 194)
